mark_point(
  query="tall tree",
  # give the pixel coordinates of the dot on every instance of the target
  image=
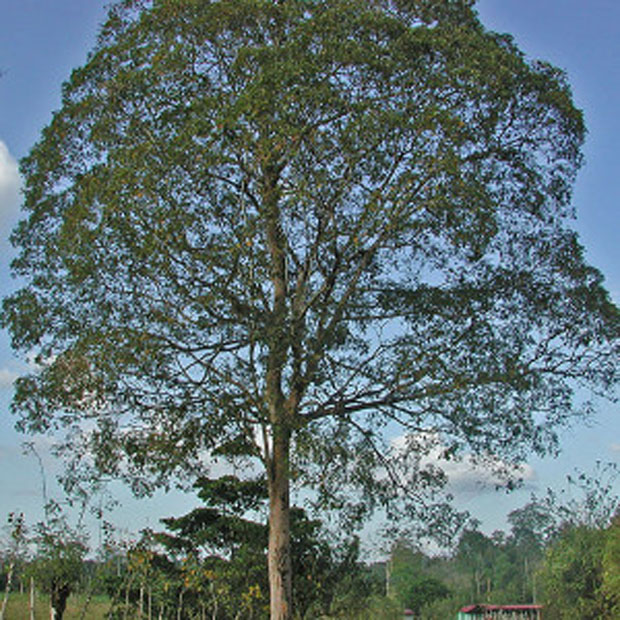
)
(409, 580)
(304, 227)
(611, 567)
(572, 575)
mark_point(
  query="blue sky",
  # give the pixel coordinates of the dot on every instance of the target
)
(42, 40)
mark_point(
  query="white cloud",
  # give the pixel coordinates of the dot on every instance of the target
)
(468, 475)
(615, 447)
(10, 183)
(13, 369)
(467, 472)
(7, 377)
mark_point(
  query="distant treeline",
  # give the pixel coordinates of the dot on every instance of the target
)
(212, 563)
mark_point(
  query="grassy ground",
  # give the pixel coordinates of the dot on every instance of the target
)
(18, 607)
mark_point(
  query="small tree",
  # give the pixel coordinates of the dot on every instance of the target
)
(59, 561)
(221, 549)
(14, 553)
(572, 575)
(149, 583)
(611, 567)
(409, 580)
(531, 526)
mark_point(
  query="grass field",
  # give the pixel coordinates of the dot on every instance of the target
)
(18, 608)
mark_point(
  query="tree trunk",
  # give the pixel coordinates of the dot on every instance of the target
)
(89, 598)
(477, 579)
(58, 601)
(180, 605)
(280, 571)
(280, 414)
(214, 607)
(126, 609)
(31, 597)
(9, 579)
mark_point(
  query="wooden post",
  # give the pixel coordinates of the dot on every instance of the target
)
(31, 599)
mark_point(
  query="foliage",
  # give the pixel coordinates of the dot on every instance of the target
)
(49, 557)
(580, 527)
(15, 553)
(500, 569)
(531, 526)
(409, 580)
(443, 608)
(572, 575)
(611, 567)
(589, 499)
(59, 562)
(369, 609)
(151, 275)
(147, 582)
(201, 565)
(581, 561)
(292, 226)
(477, 553)
(423, 591)
(561, 552)
(359, 593)
(213, 560)
(221, 549)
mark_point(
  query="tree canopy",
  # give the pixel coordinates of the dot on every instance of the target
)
(293, 230)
